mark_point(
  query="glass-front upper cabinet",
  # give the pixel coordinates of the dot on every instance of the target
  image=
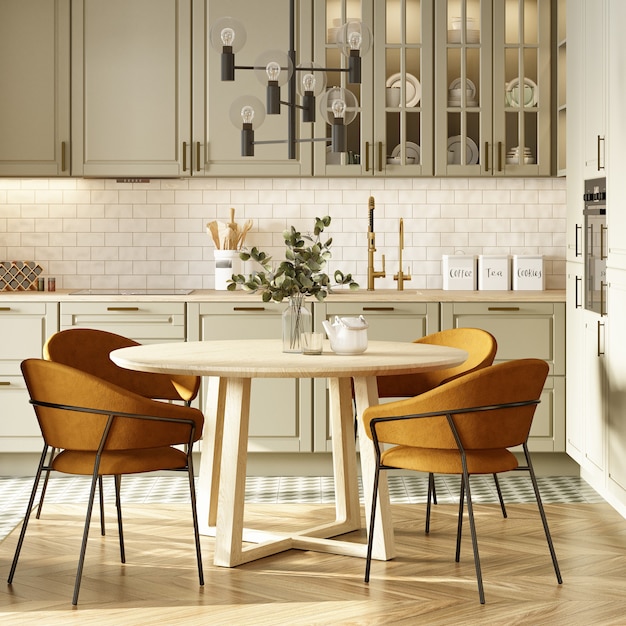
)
(493, 88)
(389, 114)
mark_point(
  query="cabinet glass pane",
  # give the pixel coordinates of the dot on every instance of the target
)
(403, 81)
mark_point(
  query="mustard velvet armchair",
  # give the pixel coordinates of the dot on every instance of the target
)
(481, 347)
(463, 427)
(104, 429)
(88, 349)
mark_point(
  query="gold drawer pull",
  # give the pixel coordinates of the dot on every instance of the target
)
(378, 308)
(503, 308)
(248, 308)
(122, 308)
(4, 383)
(5, 308)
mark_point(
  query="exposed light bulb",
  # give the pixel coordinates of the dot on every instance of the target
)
(273, 70)
(247, 114)
(338, 107)
(228, 36)
(308, 82)
(355, 40)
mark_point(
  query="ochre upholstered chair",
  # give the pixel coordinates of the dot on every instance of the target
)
(481, 347)
(103, 429)
(88, 350)
(463, 427)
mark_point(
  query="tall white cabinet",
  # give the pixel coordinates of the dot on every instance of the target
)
(35, 85)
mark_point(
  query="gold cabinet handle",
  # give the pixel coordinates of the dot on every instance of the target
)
(198, 156)
(503, 308)
(5, 308)
(380, 156)
(378, 308)
(122, 308)
(603, 230)
(184, 156)
(486, 156)
(63, 165)
(4, 383)
(603, 288)
(499, 156)
(600, 141)
(248, 308)
(367, 156)
(600, 325)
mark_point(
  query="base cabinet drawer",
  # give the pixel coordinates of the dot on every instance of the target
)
(25, 328)
(144, 322)
(280, 409)
(525, 330)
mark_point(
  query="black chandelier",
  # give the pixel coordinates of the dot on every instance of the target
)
(275, 69)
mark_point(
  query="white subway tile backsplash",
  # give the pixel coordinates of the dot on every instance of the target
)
(103, 233)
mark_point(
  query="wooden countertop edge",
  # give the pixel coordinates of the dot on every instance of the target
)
(361, 295)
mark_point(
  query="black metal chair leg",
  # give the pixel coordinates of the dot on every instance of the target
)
(45, 482)
(470, 514)
(497, 482)
(118, 505)
(542, 512)
(370, 536)
(101, 488)
(431, 485)
(459, 526)
(431, 477)
(29, 508)
(83, 547)
(194, 515)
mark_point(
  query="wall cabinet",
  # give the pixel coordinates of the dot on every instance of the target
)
(281, 409)
(525, 330)
(131, 88)
(25, 328)
(493, 88)
(35, 79)
(391, 135)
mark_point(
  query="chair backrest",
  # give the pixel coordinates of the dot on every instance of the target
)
(480, 345)
(512, 381)
(61, 384)
(88, 349)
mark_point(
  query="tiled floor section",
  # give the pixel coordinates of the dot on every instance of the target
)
(14, 492)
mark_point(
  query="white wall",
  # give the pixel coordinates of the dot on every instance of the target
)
(105, 234)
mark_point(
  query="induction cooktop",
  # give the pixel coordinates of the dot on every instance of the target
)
(131, 292)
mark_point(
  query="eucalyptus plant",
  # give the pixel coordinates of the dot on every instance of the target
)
(300, 274)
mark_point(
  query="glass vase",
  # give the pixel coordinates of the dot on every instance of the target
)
(296, 320)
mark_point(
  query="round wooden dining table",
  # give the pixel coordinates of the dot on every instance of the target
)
(231, 365)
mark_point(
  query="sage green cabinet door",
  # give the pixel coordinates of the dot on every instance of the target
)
(393, 321)
(215, 101)
(25, 328)
(525, 330)
(35, 79)
(131, 88)
(493, 89)
(391, 133)
(280, 408)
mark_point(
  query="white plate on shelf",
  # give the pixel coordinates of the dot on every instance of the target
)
(413, 88)
(455, 147)
(531, 93)
(470, 87)
(412, 150)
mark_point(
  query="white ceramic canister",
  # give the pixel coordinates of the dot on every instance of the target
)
(227, 263)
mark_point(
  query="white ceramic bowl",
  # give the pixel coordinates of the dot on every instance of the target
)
(398, 161)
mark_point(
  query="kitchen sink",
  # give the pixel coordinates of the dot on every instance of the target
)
(131, 292)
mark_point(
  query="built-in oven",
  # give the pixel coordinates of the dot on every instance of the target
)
(595, 245)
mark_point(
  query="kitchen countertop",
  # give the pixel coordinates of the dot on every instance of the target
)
(360, 295)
